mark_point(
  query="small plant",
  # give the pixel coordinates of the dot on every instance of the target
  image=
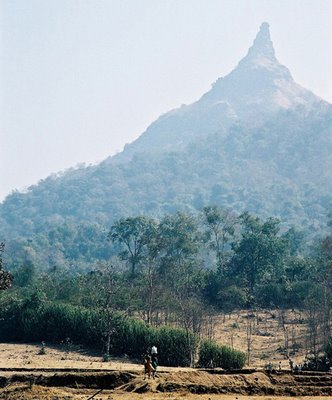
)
(269, 367)
(32, 383)
(42, 350)
(68, 344)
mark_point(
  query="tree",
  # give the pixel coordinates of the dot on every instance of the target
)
(180, 271)
(220, 231)
(152, 258)
(25, 275)
(6, 278)
(179, 245)
(323, 278)
(108, 290)
(133, 234)
(260, 252)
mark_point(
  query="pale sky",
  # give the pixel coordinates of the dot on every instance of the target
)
(81, 78)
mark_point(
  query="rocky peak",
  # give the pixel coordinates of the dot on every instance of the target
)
(262, 46)
(261, 56)
(259, 78)
(256, 90)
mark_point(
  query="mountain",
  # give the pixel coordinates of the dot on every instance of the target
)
(256, 141)
(256, 90)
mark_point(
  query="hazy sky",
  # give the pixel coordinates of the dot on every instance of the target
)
(80, 78)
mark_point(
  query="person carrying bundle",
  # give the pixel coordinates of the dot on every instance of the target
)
(147, 366)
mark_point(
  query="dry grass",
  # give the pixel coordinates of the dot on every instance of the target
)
(268, 336)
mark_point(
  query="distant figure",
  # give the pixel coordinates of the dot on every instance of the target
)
(154, 363)
(269, 366)
(279, 365)
(147, 366)
(154, 350)
(291, 364)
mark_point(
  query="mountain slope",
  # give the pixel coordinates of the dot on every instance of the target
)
(256, 141)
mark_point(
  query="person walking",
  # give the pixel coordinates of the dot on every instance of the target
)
(154, 364)
(147, 366)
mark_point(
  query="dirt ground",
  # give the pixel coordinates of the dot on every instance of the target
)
(41, 393)
(15, 355)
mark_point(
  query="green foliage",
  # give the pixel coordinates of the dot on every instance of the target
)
(168, 275)
(42, 350)
(328, 349)
(25, 275)
(175, 345)
(209, 354)
(231, 298)
(168, 265)
(260, 251)
(133, 233)
(212, 355)
(6, 279)
(220, 233)
(271, 169)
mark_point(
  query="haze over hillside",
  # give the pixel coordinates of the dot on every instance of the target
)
(256, 141)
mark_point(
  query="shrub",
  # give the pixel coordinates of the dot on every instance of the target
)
(212, 355)
(177, 347)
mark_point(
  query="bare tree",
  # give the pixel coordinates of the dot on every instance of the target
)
(283, 325)
(108, 288)
(250, 324)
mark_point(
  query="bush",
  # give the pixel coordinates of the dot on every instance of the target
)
(212, 355)
(176, 346)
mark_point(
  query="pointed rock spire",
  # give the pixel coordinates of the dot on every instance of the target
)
(261, 57)
(262, 46)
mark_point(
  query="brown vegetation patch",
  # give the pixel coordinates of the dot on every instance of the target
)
(34, 392)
